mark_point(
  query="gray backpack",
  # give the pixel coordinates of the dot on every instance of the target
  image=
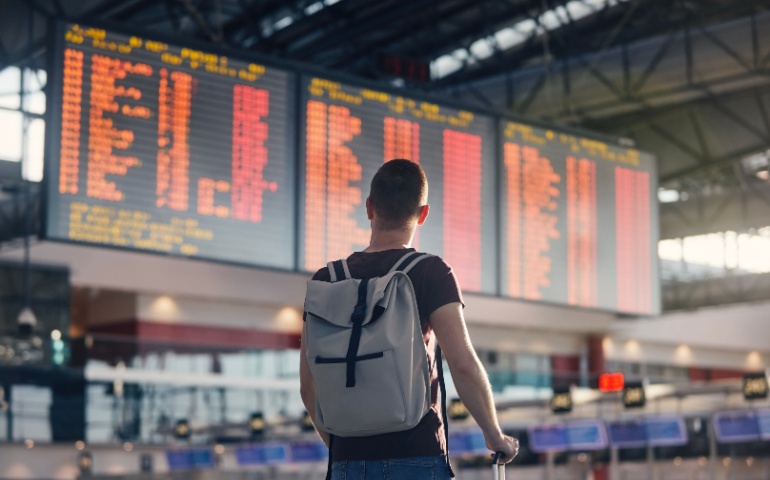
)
(366, 351)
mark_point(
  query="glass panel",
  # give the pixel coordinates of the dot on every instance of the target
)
(33, 165)
(754, 253)
(10, 135)
(34, 97)
(30, 406)
(527, 370)
(656, 373)
(9, 87)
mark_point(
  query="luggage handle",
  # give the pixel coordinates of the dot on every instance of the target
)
(498, 469)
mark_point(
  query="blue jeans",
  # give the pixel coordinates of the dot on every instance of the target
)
(409, 468)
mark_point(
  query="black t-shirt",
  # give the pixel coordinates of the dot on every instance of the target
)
(435, 285)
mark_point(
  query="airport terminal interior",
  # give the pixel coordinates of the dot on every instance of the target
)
(173, 172)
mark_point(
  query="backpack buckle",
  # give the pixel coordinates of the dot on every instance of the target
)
(358, 314)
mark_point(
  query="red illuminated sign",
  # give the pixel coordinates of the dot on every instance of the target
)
(611, 382)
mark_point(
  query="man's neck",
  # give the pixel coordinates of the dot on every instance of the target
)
(382, 240)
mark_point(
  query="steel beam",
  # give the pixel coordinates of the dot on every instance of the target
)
(115, 9)
(465, 34)
(748, 126)
(705, 155)
(536, 88)
(724, 290)
(735, 209)
(404, 16)
(628, 120)
(666, 135)
(38, 8)
(659, 54)
(196, 15)
(676, 19)
(763, 112)
(715, 163)
(726, 48)
(602, 79)
(3, 54)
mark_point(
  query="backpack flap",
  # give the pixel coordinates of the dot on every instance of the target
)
(332, 302)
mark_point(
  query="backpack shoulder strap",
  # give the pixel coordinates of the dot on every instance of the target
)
(442, 388)
(409, 260)
(338, 270)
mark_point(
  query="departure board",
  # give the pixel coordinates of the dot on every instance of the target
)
(163, 148)
(579, 222)
(350, 131)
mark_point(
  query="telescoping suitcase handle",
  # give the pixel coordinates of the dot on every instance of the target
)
(498, 470)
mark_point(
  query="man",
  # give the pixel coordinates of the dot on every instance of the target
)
(397, 204)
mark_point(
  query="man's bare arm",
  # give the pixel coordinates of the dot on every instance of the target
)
(307, 388)
(469, 377)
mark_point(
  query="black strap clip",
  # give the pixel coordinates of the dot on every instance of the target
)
(359, 312)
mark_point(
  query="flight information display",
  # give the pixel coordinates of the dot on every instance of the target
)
(163, 148)
(579, 222)
(350, 131)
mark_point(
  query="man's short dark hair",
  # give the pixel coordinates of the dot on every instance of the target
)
(398, 190)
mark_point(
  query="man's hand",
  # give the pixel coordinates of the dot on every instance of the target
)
(509, 446)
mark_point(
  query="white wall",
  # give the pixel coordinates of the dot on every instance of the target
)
(107, 306)
(209, 312)
(112, 269)
(743, 327)
(685, 354)
(729, 336)
(525, 340)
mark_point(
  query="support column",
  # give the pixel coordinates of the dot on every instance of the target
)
(67, 413)
(596, 362)
(565, 370)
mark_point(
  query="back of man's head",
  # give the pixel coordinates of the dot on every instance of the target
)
(398, 190)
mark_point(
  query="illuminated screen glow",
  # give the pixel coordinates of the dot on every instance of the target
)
(350, 132)
(170, 149)
(579, 221)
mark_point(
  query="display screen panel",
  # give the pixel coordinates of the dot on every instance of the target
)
(163, 148)
(188, 459)
(171, 149)
(628, 434)
(308, 451)
(666, 431)
(248, 455)
(548, 438)
(763, 422)
(579, 221)
(467, 442)
(587, 435)
(350, 131)
(736, 426)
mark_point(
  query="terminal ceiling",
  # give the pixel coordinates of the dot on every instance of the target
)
(688, 80)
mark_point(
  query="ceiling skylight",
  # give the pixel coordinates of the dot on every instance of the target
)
(510, 37)
(287, 20)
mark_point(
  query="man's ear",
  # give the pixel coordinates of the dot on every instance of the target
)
(423, 214)
(369, 209)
